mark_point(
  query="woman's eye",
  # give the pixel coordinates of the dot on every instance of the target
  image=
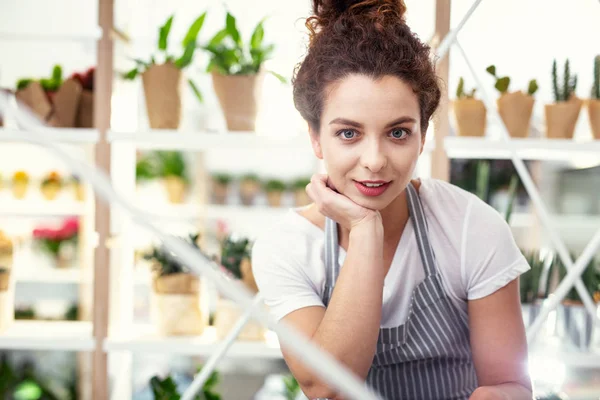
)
(348, 134)
(399, 133)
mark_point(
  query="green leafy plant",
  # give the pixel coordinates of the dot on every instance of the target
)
(166, 389)
(147, 168)
(222, 178)
(164, 262)
(483, 179)
(229, 55)
(250, 178)
(184, 60)
(274, 185)
(233, 252)
(569, 85)
(50, 84)
(460, 90)
(503, 83)
(292, 387)
(529, 282)
(596, 84)
(590, 278)
(172, 163)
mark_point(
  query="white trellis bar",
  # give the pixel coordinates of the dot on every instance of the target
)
(450, 38)
(543, 214)
(329, 369)
(199, 380)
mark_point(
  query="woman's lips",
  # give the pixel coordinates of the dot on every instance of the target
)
(375, 188)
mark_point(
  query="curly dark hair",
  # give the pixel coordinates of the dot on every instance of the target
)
(368, 37)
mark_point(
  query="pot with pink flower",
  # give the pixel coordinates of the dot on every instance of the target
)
(61, 243)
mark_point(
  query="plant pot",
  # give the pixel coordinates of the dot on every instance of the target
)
(85, 112)
(66, 255)
(301, 198)
(79, 191)
(7, 300)
(274, 198)
(561, 118)
(34, 98)
(227, 314)
(62, 111)
(19, 189)
(470, 117)
(239, 96)
(248, 275)
(220, 193)
(516, 110)
(162, 91)
(176, 189)
(175, 305)
(50, 190)
(594, 116)
(575, 324)
(248, 191)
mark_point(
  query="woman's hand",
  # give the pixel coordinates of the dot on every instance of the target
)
(337, 206)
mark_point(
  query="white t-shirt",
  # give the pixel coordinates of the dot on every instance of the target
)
(475, 251)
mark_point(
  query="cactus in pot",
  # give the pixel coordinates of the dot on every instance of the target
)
(470, 113)
(594, 102)
(561, 117)
(515, 108)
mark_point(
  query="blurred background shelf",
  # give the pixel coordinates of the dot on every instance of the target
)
(48, 335)
(57, 135)
(24, 208)
(45, 274)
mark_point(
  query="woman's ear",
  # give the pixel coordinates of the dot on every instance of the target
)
(316, 143)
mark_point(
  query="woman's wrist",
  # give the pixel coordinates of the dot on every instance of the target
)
(368, 228)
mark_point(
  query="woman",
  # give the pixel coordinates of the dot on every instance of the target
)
(411, 284)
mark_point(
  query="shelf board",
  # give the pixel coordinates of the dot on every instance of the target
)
(58, 135)
(37, 208)
(196, 141)
(528, 149)
(49, 275)
(48, 335)
(199, 346)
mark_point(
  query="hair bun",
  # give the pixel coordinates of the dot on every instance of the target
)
(327, 12)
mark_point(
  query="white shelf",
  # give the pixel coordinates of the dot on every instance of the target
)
(48, 335)
(26, 208)
(204, 345)
(529, 149)
(48, 275)
(58, 135)
(197, 141)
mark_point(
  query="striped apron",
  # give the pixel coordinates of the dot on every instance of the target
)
(429, 356)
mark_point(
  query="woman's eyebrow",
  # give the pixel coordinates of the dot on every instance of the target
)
(344, 121)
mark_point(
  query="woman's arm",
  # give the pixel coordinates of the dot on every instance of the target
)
(349, 328)
(499, 346)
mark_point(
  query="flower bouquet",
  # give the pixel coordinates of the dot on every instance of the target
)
(59, 243)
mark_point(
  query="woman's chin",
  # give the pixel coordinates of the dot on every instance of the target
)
(372, 203)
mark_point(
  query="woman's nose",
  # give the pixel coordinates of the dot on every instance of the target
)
(373, 156)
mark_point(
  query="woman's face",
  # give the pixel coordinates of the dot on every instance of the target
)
(370, 138)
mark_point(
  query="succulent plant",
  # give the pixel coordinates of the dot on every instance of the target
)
(596, 85)
(503, 83)
(233, 252)
(172, 163)
(50, 84)
(460, 90)
(569, 86)
(165, 262)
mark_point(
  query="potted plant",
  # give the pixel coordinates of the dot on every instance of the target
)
(54, 100)
(533, 286)
(166, 388)
(301, 198)
(275, 189)
(220, 187)
(249, 188)
(6, 282)
(236, 262)
(85, 109)
(60, 243)
(20, 183)
(237, 73)
(470, 112)
(176, 295)
(162, 76)
(515, 108)
(561, 117)
(51, 185)
(173, 171)
(594, 102)
(78, 187)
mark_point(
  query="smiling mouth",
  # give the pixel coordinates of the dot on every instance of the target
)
(372, 188)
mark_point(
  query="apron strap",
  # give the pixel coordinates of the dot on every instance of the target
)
(417, 214)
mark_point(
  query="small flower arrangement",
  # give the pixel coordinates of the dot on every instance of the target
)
(55, 241)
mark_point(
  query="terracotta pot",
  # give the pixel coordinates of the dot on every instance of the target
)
(176, 305)
(62, 111)
(594, 116)
(176, 189)
(248, 191)
(19, 189)
(274, 198)
(50, 190)
(239, 96)
(470, 117)
(516, 110)
(227, 313)
(34, 98)
(85, 112)
(220, 193)
(561, 118)
(162, 90)
(301, 198)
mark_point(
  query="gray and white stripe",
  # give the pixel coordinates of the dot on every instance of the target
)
(429, 356)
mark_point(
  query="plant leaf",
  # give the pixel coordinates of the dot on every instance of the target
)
(278, 76)
(460, 89)
(188, 55)
(502, 84)
(218, 38)
(232, 30)
(491, 70)
(257, 36)
(196, 90)
(141, 62)
(164, 34)
(533, 87)
(57, 73)
(192, 33)
(131, 75)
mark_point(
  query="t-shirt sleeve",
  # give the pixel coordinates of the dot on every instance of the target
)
(490, 257)
(280, 266)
